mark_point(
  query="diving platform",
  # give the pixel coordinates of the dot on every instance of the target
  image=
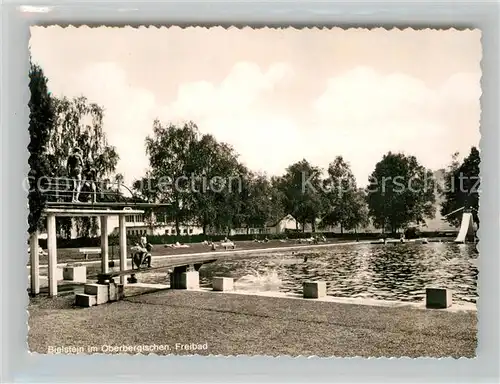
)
(92, 200)
(103, 205)
(50, 213)
(74, 212)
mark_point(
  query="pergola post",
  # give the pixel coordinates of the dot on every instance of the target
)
(51, 214)
(104, 245)
(52, 249)
(123, 247)
(34, 263)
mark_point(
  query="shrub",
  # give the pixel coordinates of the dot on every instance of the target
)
(412, 233)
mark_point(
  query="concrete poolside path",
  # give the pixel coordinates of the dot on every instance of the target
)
(232, 324)
(226, 253)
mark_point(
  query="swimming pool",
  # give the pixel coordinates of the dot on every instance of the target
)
(387, 272)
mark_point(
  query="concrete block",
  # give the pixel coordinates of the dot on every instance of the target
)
(113, 292)
(223, 284)
(190, 280)
(75, 273)
(92, 289)
(438, 298)
(100, 291)
(103, 297)
(59, 274)
(84, 300)
(120, 291)
(314, 289)
(175, 280)
(116, 291)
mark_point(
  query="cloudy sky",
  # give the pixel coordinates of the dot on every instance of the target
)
(276, 95)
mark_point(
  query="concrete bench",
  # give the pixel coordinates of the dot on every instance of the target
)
(89, 251)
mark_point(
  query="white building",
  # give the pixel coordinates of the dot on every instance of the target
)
(136, 225)
(286, 223)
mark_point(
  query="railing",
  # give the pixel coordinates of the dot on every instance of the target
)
(64, 190)
(61, 192)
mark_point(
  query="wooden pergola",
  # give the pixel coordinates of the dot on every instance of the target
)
(51, 214)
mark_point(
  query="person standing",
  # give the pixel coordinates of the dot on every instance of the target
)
(75, 169)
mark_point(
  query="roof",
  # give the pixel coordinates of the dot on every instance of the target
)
(272, 224)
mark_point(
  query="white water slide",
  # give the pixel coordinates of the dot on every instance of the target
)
(466, 228)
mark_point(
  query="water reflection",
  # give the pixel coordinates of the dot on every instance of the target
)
(388, 272)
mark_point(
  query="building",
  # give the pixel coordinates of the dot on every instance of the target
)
(139, 225)
(136, 225)
(286, 223)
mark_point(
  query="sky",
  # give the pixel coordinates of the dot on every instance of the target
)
(276, 95)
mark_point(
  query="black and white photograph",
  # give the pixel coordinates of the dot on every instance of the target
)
(253, 191)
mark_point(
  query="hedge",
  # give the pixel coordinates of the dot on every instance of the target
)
(85, 242)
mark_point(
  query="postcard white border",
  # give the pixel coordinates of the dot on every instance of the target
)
(19, 366)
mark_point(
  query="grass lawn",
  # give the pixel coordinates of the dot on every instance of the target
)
(72, 255)
(251, 325)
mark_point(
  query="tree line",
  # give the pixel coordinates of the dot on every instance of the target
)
(205, 183)
(56, 126)
(400, 191)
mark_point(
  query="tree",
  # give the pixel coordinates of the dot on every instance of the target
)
(302, 190)
(40, 127)
(229, 197)
(461, 187)
(200, 177)
(144, 190)
(170, 150)
(358, 215)
(341, 196)
(218, 185)
(78, 122)
(118, 179)
(212, 167)
(401, 191)
(262, 202)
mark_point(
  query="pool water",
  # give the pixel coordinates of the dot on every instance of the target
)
(387, 272)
